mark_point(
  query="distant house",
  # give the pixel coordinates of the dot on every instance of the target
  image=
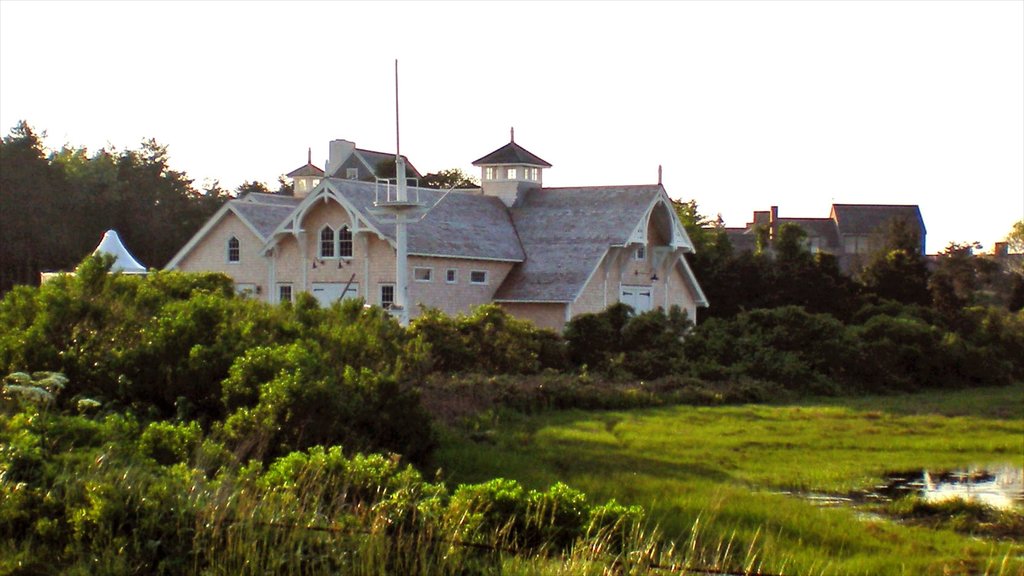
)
(543, 254)
(851, 231)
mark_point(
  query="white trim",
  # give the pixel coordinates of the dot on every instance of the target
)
(320, 242)
(326, 190)
(510, 301)
(455, 278)
(591, 275)
(702, 300)
(210, 224)
(486, 281)
(430, 274)
(380, 294)
(482, 258)
(291, 292)
(238, 251)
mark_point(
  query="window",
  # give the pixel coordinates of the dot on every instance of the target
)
(855, 244)
(234, 250)
(451, 275)
(489, 173)
(511, 174)
(422, 274)
(641, 253)
(327, 242)
(352, 173)
(284, 292)
(531, 173)
(478, 277)
(345, 242)
(387, 295)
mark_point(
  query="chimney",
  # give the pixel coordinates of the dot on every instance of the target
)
(1001, 249)
(340, 150)
(773, 222)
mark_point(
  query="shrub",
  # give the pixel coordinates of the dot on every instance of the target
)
(798, 350)
(488, 340)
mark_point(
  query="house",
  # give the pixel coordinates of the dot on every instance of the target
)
(850, 232)
(543, 254)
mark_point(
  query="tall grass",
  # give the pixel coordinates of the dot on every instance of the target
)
(730, 467)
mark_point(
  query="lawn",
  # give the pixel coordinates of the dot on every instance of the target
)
(713, 476)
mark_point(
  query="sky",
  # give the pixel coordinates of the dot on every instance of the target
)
(745, 105)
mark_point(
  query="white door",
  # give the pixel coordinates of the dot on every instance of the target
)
(639, 297)
(327, 292)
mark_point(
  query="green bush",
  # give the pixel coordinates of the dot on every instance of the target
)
(621, 343)
(801, 351)
(488, 340)
(169, 443)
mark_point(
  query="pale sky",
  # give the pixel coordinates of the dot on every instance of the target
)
(744, 104)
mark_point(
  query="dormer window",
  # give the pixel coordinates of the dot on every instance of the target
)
(234, 250)
(345, 242)
(327, 242)
(352, 173)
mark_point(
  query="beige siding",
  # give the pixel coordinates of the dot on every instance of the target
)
(461, 296)
(602, 291)
(211, 254)
(550, 316)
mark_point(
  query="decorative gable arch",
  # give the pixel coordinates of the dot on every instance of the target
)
(324, 192)
(663, 213)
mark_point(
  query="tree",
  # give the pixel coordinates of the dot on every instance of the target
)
(34, 218)
(254, 186)
(956, 278)
(898, 271)
(448, 179)
(1015, 239)
(56, 207)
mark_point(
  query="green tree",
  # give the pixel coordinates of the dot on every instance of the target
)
(254, 186)
(898, 271)
(447, 179)
(35, 212)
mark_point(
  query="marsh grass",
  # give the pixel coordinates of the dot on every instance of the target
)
(726, 466)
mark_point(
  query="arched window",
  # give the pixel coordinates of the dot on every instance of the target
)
(345, 242)
(327, 242)
(234, 250)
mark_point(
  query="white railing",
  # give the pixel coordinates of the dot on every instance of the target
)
(386, 191)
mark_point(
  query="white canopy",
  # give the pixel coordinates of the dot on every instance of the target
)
(123, 260)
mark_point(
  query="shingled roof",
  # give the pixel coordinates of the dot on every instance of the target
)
(565, 232)
(869, 218)
(372, 159)
(512, 153)
(460, 224)
(264, 212)
(307, 170)
(824, 228)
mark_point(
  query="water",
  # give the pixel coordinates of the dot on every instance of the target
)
(1001, 487)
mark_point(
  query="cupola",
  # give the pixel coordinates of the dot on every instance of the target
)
(510, 170)
(306, 178)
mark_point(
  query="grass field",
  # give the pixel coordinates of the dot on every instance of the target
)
(711, 477)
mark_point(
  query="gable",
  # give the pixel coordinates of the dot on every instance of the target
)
(565, 232)
(456, 224)
(259, 213)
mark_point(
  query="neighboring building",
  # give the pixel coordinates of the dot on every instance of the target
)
(851, 231)
(544, 254)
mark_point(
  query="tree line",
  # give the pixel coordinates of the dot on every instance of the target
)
(57, 205)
